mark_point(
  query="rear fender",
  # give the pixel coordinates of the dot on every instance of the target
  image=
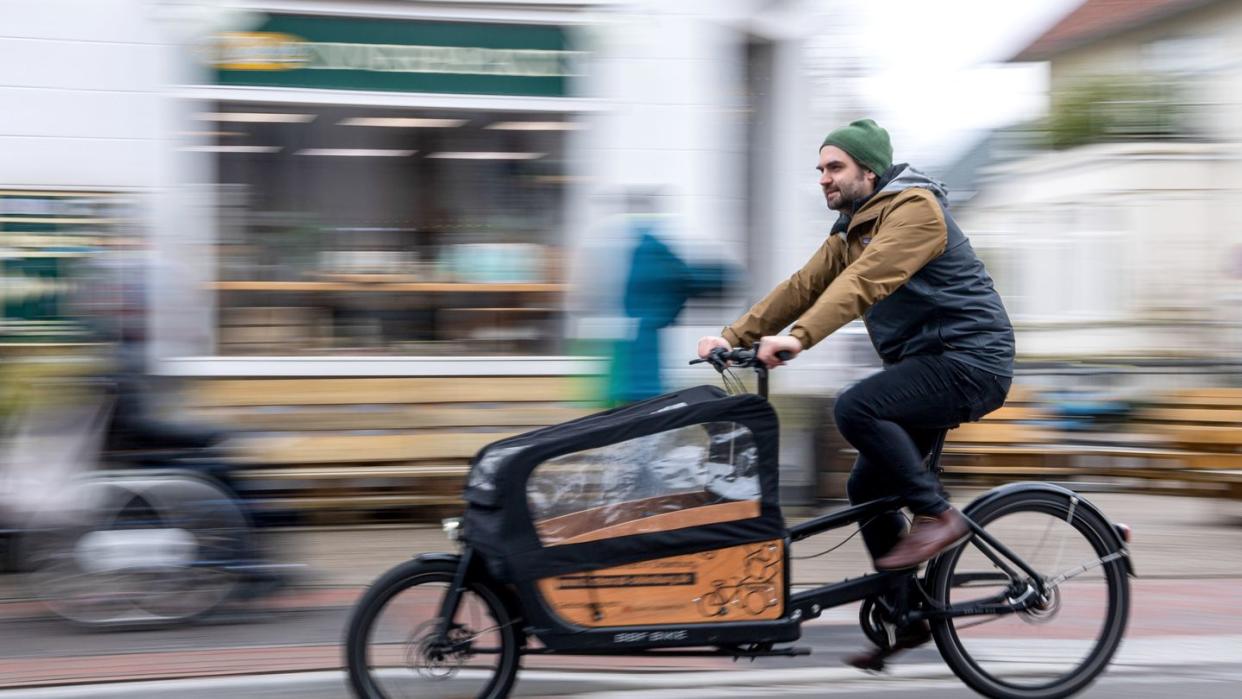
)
(1112, 535)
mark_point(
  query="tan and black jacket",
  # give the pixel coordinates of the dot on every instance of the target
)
(902, 264)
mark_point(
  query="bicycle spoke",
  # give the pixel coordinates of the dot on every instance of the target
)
(1070, 520)
(1043, 538)
(1075, 572)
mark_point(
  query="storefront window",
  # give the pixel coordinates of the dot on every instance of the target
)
(52, 251)
(388, 231)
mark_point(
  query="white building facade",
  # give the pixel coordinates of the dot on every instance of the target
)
(1128, 247)
(700, 102)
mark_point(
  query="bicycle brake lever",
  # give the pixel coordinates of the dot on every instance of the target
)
(715, 358)
(710, 360)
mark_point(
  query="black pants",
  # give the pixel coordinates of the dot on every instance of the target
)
(893, 418)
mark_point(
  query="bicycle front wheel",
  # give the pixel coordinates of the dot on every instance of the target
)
(392, 648)
(1051, 650)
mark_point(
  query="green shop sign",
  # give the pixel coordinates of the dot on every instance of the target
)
(398, 55)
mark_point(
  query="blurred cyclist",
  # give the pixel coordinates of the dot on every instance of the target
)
(138, 433)
(113, 307)
(895, 257)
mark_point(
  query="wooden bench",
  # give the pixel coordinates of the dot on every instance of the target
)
(1186, 442)
(344, 448)
(1205, 421)
(1008, 445)
(1201, 431)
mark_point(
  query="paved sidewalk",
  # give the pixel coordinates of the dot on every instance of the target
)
(1173, 537)
(1179, 537)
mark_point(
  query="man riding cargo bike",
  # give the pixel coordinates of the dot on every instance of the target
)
(655, 529)
(895, 257)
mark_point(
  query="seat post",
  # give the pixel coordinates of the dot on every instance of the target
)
(933, 458)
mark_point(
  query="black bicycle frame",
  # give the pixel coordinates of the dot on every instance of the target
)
(559, 637)
(452, 596)
(811, 603)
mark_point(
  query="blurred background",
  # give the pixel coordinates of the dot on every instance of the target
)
(322, 251)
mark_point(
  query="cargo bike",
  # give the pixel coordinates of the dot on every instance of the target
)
(655, 530)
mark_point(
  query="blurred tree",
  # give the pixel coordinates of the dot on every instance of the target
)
(1117, 108)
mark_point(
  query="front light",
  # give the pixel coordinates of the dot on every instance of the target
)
(452, 528)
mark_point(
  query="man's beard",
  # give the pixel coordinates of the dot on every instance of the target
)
(848, 197)
(844, 201)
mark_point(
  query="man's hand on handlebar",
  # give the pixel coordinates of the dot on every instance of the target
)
(709, 343)
(774, 351)
(786, 346)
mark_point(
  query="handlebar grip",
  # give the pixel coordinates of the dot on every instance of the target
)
(784, 356)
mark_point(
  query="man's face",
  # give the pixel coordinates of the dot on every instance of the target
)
(843, 180)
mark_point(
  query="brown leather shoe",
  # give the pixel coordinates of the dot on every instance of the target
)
(928, 536)
(873, 660)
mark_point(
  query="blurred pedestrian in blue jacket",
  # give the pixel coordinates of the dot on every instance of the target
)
(657, 287)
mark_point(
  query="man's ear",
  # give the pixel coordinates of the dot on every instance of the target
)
(871, 177)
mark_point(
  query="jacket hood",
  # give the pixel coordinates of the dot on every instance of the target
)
(902, 177)
(896, 179)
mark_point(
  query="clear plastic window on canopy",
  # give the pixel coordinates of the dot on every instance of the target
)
(483, 474)
(691, 476)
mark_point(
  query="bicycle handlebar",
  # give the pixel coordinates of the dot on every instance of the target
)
(721, 358)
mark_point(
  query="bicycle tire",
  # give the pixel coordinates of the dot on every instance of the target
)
(1098, 535)
(50, 553)
(402, 578)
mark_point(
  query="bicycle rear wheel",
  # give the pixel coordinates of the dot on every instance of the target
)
(1059, 647)
(391, 647)
(136, 551)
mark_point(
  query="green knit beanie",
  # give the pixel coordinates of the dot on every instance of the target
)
(866, 142)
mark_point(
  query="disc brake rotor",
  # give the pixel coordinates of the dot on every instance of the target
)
(434, 658)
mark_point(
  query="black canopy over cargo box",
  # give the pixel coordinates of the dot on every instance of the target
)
(685, 472)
